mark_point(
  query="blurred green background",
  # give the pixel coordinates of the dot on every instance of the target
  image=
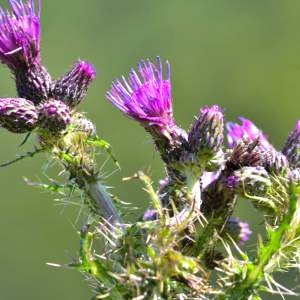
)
(243, 55)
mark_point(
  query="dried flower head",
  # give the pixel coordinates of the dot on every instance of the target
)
(18, 115)
(291, 148)
(146, 98)
(54, 116)
(72, 87)
(247, 130)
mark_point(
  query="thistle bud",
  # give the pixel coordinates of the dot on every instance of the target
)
(276, 162)
(18, 115)
(253, 181)
(206, 135)
(72, 87)
(33, 83)
(54, 116)
(238, 230)
(294, 175)
(291, 148)
(81, 123)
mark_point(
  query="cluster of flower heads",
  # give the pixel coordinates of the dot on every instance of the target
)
(247, 164)
(147, 98)
(42, 103)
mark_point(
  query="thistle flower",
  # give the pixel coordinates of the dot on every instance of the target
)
(72, 87)
(20, 35)
(54, 116)
(147, 98)
(18, 115)
(206, 135)
(247, 130)
(291, 148)
(246, 153)
(20, 49)
(238, 230)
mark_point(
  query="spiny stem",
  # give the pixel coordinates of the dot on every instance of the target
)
(102, 201)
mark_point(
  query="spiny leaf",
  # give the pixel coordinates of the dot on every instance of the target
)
(54, 187)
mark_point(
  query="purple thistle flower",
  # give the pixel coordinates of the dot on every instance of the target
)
(238, 230)
(54, 116)
(247, 130)
(20, 35)
(72, 87)
(20, 49)
(146, 97)
(291, 148)
(18, 115)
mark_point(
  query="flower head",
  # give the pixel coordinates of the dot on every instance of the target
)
(246, 130)
(72, 87)
(54, 116)
(145, 97)
(18, 115)
(206, 135)
(20, 35)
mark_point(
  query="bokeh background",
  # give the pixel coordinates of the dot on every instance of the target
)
(243, 55)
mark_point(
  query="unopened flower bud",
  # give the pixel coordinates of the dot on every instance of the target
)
(294, 175)
(238, 230)
(72, 87)
(18, 115)
(81, 123)
(275, 162)
(33, 83)
(206, 135)
(291, 148)
(253, 181)
(54, 116)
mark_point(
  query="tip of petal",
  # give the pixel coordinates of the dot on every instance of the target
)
(88, 69)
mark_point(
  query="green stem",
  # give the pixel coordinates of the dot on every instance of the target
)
(102, 201)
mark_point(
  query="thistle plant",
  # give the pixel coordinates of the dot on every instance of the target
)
(190, 242)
